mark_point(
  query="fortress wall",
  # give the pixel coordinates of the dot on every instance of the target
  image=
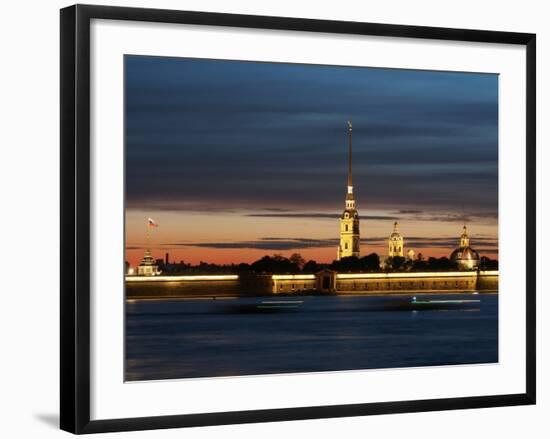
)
(394, 282)
(182, 288)
(458, 283)
(294, 286)
(266, 284)
(487, 280)
(201, 286)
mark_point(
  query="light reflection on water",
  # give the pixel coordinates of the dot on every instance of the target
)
(169, 339)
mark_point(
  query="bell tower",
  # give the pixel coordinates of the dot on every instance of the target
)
(395, 242)
(464, 238)
(349, 221)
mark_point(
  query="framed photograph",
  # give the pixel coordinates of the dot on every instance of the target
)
(268, 218)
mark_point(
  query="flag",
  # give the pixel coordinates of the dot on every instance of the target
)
(151, 223)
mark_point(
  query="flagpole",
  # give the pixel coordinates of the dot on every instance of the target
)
(150, 223)
(148, 235)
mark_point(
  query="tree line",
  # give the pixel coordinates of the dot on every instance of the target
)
(295, 264)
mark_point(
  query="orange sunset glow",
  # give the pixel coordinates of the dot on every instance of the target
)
(226, 236)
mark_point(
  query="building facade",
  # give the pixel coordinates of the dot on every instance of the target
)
(349, 220)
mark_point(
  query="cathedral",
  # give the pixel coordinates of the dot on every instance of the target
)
(349, 221)
(465, 256)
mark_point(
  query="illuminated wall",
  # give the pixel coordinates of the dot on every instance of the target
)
(347, 283)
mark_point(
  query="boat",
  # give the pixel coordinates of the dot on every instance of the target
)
(267, 306)
(442, 303)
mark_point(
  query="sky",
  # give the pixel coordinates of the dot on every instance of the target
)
(237, 159)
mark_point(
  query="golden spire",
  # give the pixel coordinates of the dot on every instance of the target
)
(350, 201)
(350, 129)
(464, 238)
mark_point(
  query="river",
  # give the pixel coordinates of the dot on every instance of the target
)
(168, 339)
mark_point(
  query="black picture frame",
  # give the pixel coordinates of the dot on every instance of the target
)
(75, 217)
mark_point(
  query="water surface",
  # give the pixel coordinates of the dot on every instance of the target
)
(168, 339)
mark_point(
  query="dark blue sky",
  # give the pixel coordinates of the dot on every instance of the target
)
(208, 135)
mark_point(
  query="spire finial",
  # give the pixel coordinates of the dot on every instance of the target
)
(350, 130)
(395, 226)
(464, 238)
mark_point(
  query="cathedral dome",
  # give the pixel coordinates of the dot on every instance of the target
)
(465, 256)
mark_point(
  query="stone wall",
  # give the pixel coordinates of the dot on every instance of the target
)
(342, 283)
(408, 284)
(183, 288)
(487, 281)
(396, 282)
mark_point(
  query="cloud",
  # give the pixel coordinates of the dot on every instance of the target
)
(311, 215)
(419, 215)
(268, 243)
(284, 243)
(434, 242)
(316, 215)
(268, 135)
(408, 211)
